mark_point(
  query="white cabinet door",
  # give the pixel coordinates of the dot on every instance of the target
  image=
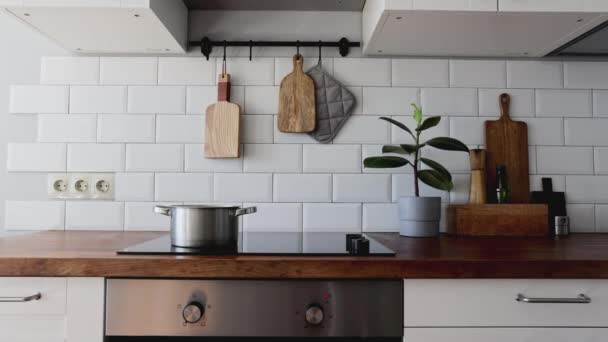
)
(492, 303)
(553, 5)
(506, 335)
(85, 310)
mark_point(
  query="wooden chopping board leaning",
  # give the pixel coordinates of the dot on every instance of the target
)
(297, 112)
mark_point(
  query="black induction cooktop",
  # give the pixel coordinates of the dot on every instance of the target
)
(274, 243)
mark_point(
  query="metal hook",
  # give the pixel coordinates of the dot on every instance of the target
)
(250, 49)
(320, 47)
(298, 47)
(224, 60)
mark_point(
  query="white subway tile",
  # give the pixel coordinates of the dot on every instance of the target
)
(155, 158)
(259, 71)
(449, 101)
(157, 99)
(375, 151)
(94, 215)
(454, 161)
(478, 73)
(420, 72)
(286, 138)
(26, 186)
(126, 128)
(134, 187)
(544, 131)
(399, 136)
(601, 218)
(180, 128)
(200, 97)
(380, 217)
(586, 132)
(565, 160)
(42, 215)
(332, 158)
(140, 216)
(468, 130)
(522, 102)
(36, 157)
(364, 129)
(363, 71)
(272, 158)
(253, 187)
(403, 185)
(582, 218)
(587, 189)
(186, 70)
(532, 160)
(332, 217)
(361, 188)
(536, 183)
(96, 157)
(358, 94)
(586, 75)
(67, 128)
(128, 70)
(302, 188)
(601, 160)
(284, 66)
(462, 187)
(535, 74)
(98, 99)
(600, 103)
(257, 129)
(568, 103)
(261, 100)
(275, 217)
(389, 101)
(69, 70)
(183, 187)
(196, 161)
(32, 99)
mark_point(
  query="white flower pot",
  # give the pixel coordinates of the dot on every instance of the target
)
(419, 216)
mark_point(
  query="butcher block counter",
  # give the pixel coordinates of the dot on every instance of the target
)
(93, 254)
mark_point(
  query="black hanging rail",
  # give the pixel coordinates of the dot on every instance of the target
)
(207, 45)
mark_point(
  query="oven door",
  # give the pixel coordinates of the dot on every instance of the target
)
(154, 310)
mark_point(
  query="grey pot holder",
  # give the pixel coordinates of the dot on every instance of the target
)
(334, 105)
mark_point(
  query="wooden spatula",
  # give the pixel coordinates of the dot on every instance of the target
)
(507, 144)
(222, 124)
(297, 112)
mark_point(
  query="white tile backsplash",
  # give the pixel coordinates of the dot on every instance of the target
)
(157, 152)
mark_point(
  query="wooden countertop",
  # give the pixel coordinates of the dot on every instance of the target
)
(92, 254)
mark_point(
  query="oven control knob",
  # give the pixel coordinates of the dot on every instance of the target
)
(193, 312)
(314, 314)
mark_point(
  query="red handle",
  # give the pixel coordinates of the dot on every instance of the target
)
(223, 87)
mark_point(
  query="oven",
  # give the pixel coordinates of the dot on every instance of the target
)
(180, 310)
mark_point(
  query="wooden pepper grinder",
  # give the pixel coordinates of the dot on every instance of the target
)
(477, 194)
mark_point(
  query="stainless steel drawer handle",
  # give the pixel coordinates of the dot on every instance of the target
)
(581, 299)
(35, 296)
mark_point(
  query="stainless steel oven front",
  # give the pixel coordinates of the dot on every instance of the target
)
(176, 310)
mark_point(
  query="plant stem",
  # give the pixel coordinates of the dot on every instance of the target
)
(416, 187)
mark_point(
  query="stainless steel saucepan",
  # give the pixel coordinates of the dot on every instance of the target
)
(202, 226)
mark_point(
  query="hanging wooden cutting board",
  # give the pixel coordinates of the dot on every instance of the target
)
(222, 124)
(507, 144)
(297, 112)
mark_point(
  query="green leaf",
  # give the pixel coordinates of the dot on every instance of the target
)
(398, 124)
(435, 180)
(437, 167)
(394, 149)
(417, 114)
(385, 162)
(448, 144)
(428, 123)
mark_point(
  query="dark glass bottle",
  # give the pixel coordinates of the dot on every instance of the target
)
(503, 192)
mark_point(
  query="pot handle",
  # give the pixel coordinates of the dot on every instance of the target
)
(245, 211)
(159, 209)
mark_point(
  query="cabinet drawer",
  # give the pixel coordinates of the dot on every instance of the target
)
(32, 328)
(51, 302)
(505, 334)
(479, 303)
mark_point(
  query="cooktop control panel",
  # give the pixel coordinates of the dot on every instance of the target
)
(150, 307)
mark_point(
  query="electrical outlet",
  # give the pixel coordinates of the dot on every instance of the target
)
(79, 186)
(57, 186)
(102, 186)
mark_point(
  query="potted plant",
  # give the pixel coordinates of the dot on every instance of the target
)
(419, 216)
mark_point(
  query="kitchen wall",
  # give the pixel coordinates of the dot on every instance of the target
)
(143, 119)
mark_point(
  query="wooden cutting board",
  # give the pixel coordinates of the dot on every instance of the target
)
(297, 112)
(222, 124)
(507, 144)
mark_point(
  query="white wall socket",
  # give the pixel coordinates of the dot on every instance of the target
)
(81, 186)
